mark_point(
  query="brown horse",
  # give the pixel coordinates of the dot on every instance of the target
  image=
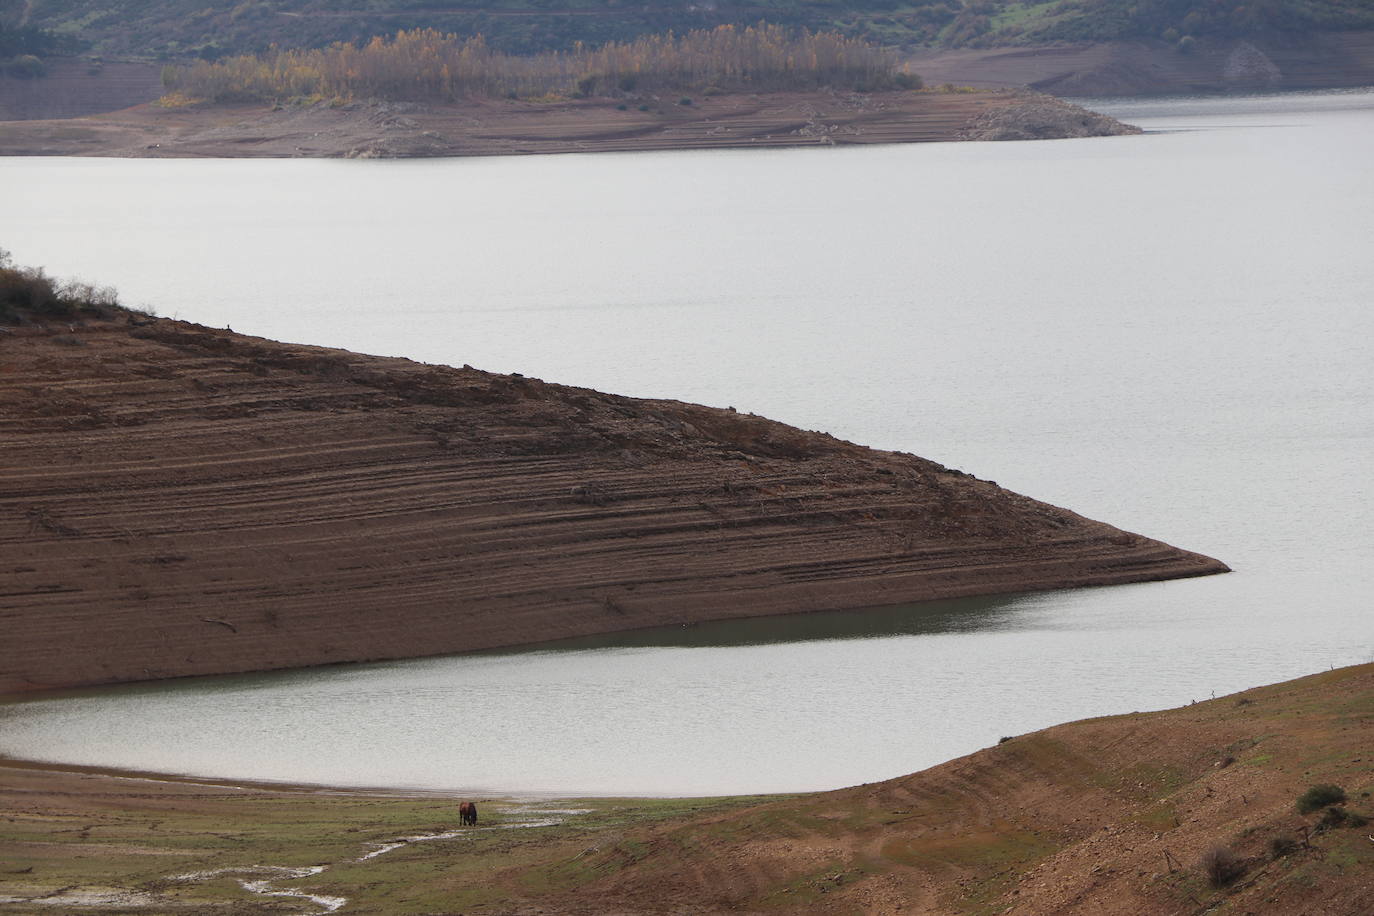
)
(467, 814)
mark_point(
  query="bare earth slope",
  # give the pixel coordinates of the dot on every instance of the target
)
(1106, 817)
(1320, 60)
(176, 500)
(1109, 817)
(73, 87)
(503, 127)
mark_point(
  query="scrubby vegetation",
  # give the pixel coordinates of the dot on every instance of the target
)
(184, 29)
(1319, 797)
(1221, 865)
(1284, 844)
(16, 41)
(1168, 20)
(426, 65)
(1336, 817)
(22, 50)
(29, 292)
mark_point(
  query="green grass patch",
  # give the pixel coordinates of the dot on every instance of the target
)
(1018, 14)
(999, 846)
(809, 889)
(1160, 817)
(1147, 779)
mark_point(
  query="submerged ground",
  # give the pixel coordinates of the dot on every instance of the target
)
(1105, 816)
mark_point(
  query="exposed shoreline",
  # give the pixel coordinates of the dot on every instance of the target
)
(190, 501)
(1112, 816)
(504, 127)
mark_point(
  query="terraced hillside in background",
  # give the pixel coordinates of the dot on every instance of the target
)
(177, 500)
(187, 28)
(195, 28)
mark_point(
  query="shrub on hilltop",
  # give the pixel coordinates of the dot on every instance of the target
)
(28, 291)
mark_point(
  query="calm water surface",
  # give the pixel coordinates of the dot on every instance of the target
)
(1171, 332)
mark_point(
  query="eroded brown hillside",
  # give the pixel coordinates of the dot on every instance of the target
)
(177, 500)
(1108, 817)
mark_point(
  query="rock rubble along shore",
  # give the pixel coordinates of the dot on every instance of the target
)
(181, 501)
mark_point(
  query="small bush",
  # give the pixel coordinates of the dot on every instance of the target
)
(174, 100)
(1282, 845)
(1320, 796)
(1221, 866)
(29, 291)
(1336, 816)
(1004, 739)
(684, 101)
(25, 66)
(622, 108)
(591, 493)
(904, 80)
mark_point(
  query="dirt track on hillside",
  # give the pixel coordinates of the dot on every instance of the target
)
(177, 500)
(503, 127)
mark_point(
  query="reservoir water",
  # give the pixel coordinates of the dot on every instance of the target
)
(1172, 332)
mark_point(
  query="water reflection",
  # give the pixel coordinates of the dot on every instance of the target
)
(959, 615)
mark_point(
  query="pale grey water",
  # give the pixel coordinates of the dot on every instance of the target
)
(1170, 332)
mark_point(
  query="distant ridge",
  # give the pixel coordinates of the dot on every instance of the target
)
(179, 500)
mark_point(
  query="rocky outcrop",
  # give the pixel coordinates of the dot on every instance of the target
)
(1034, 116)
(177, 500)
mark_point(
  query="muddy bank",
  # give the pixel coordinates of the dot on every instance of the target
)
(504, 127)
(1327, 60)
(179, 500)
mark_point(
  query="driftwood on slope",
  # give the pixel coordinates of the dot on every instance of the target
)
(324, 506)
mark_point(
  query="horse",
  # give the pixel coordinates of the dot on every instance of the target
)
(467, 814)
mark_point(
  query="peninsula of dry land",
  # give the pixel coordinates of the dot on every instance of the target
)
(493, 127)
(1174, 813)
(426, 93)
(179, 500)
